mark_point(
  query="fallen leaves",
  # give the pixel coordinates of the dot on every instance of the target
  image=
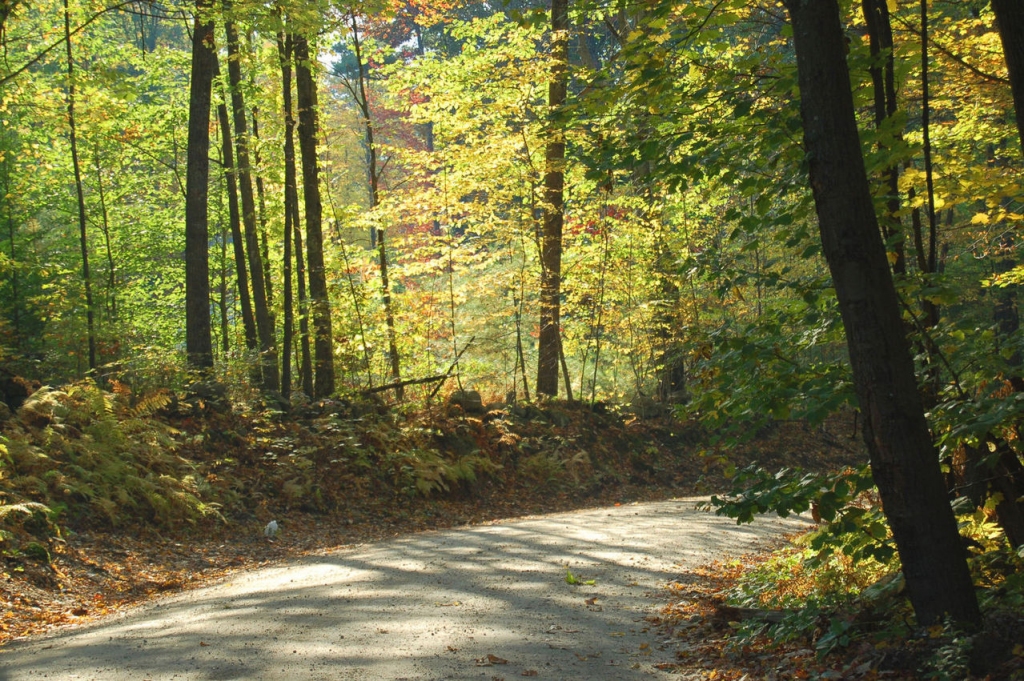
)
(490, 660)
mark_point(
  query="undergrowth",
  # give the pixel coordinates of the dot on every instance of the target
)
(841, 605)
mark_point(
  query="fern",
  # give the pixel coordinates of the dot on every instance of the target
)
(150, 404)
(26, 508)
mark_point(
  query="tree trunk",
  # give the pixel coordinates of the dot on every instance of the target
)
(248, 322)
(549, 343)
(11, 232)
(1010, 21)
(320, 304)
(264, 322)
(306, 365)
(378, 235)
(223, 285)
(285, 52)
(261, 201)
(903, 459)
(291, 205)
(111, 305)
(883, 76)
(198, 340)
(86, 279)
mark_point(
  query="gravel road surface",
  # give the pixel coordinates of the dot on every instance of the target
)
(481, 602)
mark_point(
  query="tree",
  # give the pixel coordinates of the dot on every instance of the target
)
(198, 341)
(261, 307)
(903, 459)
(378, 235)
(550, 342)
(1010, 20)
(320, 304)
(237, 241)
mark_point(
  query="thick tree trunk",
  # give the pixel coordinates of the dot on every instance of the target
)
(549, 343)
(323, 342)
(235, 220)
(198, 340)
(261, 307)
(903, 459)
(1010, 21)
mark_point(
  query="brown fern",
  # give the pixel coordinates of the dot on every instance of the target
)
(151, 403)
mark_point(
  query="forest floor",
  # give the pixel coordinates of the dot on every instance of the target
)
(561, 458)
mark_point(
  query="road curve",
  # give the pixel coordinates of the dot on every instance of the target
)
(480, 602)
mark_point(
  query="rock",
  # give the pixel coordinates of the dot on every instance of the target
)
(275, 401)
(14, 390)
(41, 407)
(209, 395)
(469, 400)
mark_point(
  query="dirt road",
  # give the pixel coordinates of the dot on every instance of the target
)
(482, 602)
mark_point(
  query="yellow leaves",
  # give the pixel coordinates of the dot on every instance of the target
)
(892, 4)
(980, 219)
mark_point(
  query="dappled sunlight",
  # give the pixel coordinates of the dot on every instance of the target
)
(422, 606)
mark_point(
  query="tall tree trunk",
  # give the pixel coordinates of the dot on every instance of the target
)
(904, 462)
(291, 206)
(1010, 21)
(379, 235)
(261, 307)
(223, 275)
(285, 49)
(306, 361)
(883, 76)
(549, 343)
(105, 222)
(261, 201)
(11, 233)
(86, 279)
(235, 220)
(320, 304)
(198, 340)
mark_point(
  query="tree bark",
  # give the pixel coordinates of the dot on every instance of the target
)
(264, 322)
(549, 343)
(904, 462)
(198, 340)
(1010, 21)
(378, 235)
(84, 243)
(323, 342)
(235, 221)
(291, 204)
(285, 50)
(111, 303)
(883, 76)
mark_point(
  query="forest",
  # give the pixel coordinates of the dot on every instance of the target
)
(270, 257)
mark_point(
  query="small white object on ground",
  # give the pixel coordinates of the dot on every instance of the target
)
(271, 529)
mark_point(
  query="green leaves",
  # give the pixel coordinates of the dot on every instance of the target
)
(844, 502)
